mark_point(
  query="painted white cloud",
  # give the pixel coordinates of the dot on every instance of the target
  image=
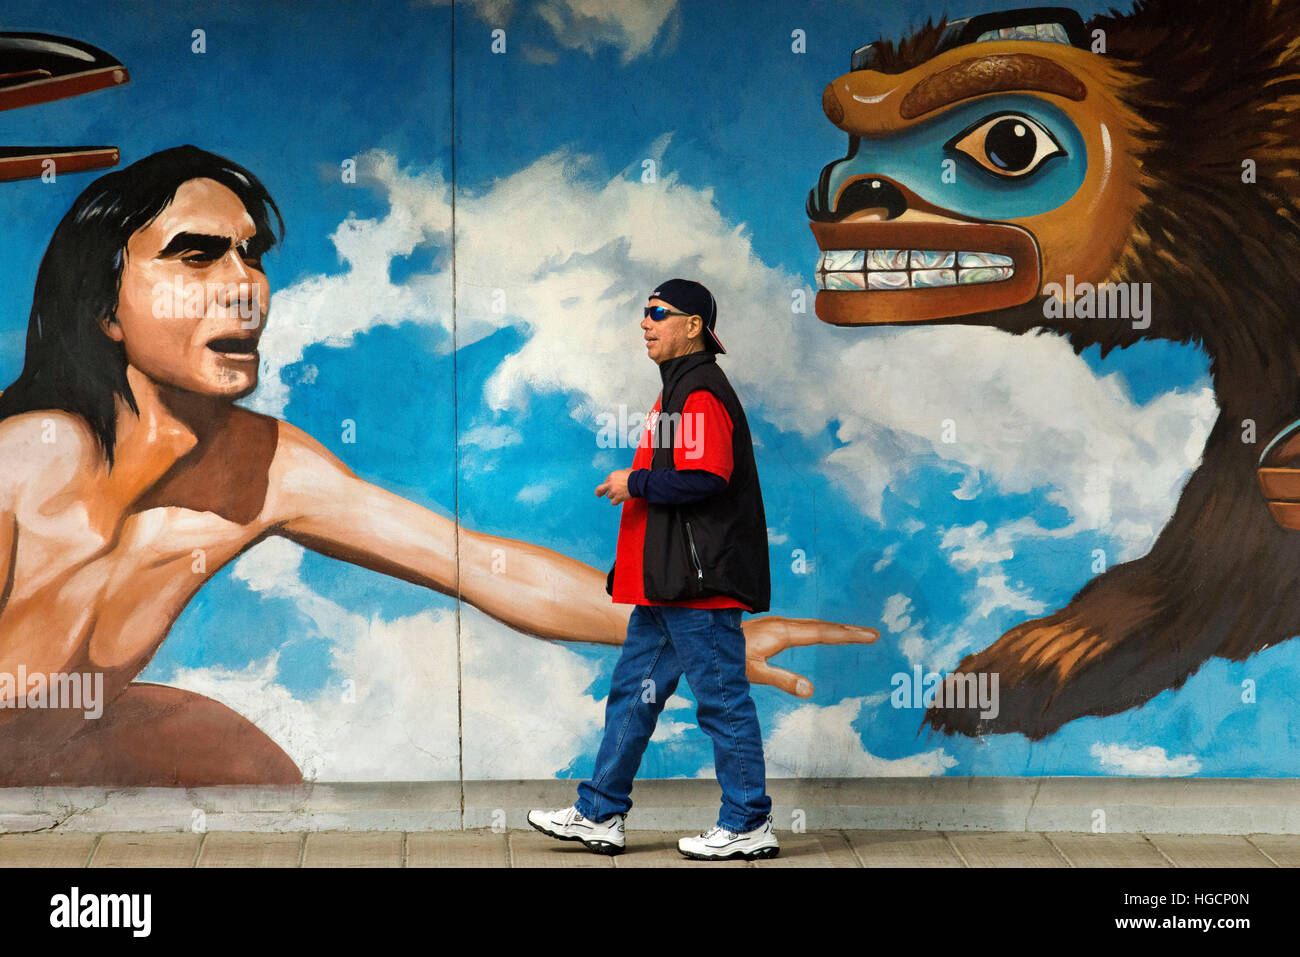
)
(886, 557)
(669, 729)
(526, 710)
(630, 26)
(535, 494)
(894, 615)
(489, 437)
(494, 12)
(819, 741)
(391, 715)
(972, 546)
(333, 309)
(995, 592)
(1148, 761)
(1028, 413)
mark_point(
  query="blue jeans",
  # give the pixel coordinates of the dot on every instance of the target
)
(663, 643)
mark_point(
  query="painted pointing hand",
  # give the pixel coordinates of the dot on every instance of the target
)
(768, 637)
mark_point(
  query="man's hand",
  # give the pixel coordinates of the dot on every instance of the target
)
(615, 487)
(767, 637)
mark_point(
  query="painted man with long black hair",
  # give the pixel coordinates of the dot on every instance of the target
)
(129, 477)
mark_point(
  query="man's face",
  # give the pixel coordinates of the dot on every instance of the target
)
(673, 336)
(193, 297)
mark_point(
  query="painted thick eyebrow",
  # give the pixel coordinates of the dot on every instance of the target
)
(996, 73)
(213, 247)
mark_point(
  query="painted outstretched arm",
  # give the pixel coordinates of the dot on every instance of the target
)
(322, 505)
(549, 595)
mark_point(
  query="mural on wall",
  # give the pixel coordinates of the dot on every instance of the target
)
(1097, 194)
(364, 491)
(133, 479)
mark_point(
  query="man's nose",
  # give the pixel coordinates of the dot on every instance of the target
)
(238, 286)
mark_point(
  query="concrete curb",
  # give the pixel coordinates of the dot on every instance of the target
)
(1117, 805)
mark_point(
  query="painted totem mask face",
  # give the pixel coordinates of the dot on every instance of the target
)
(974, 180)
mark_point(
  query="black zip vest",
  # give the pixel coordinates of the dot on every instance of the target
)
(718, 545)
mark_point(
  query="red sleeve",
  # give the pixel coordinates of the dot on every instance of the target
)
(704, 438)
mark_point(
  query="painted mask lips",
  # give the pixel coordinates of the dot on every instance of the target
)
(1279, 476)
(875, 273)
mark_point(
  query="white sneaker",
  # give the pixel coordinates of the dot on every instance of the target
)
(568, 825)
(718, 844)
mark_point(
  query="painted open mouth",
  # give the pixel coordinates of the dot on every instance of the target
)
(875, 272)
(240, 346)
(857, 269)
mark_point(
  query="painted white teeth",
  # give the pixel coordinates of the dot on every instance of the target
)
(887, 259)
(924, 259)
(886, 280)
(842, 260)
(847, 281)
(987, 274)
(934, 277)
(983, 259)
(850, 270)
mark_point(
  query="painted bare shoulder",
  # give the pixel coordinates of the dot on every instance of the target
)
(50, 445)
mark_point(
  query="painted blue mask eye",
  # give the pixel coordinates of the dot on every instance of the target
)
(1008, 145)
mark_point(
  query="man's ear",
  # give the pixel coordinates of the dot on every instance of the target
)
(111, 327)
(695, 327)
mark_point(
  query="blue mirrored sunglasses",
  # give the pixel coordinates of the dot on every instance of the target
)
(660, 313)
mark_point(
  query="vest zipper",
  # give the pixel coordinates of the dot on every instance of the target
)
(695, 557)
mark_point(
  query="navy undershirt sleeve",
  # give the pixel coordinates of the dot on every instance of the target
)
(673, 486)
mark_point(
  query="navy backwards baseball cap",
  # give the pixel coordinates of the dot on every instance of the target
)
(694, 300)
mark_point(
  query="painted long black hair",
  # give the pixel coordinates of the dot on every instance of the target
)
(70, 363)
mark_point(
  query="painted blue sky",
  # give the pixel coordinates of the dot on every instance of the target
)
(557, 242)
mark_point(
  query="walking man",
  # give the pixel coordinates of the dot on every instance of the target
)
(692, 556)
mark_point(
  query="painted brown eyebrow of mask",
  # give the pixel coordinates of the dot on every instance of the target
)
(996, 73)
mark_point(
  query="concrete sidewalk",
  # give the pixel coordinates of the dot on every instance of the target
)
(516, 848)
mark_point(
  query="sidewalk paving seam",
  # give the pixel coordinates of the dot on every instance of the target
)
(1267, 856)
(953, 847)
(94, 846)
(852, 850)
(1065, 857)
(1147, 837)
(94, 849)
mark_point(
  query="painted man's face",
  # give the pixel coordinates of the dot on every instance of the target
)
(193, 297)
